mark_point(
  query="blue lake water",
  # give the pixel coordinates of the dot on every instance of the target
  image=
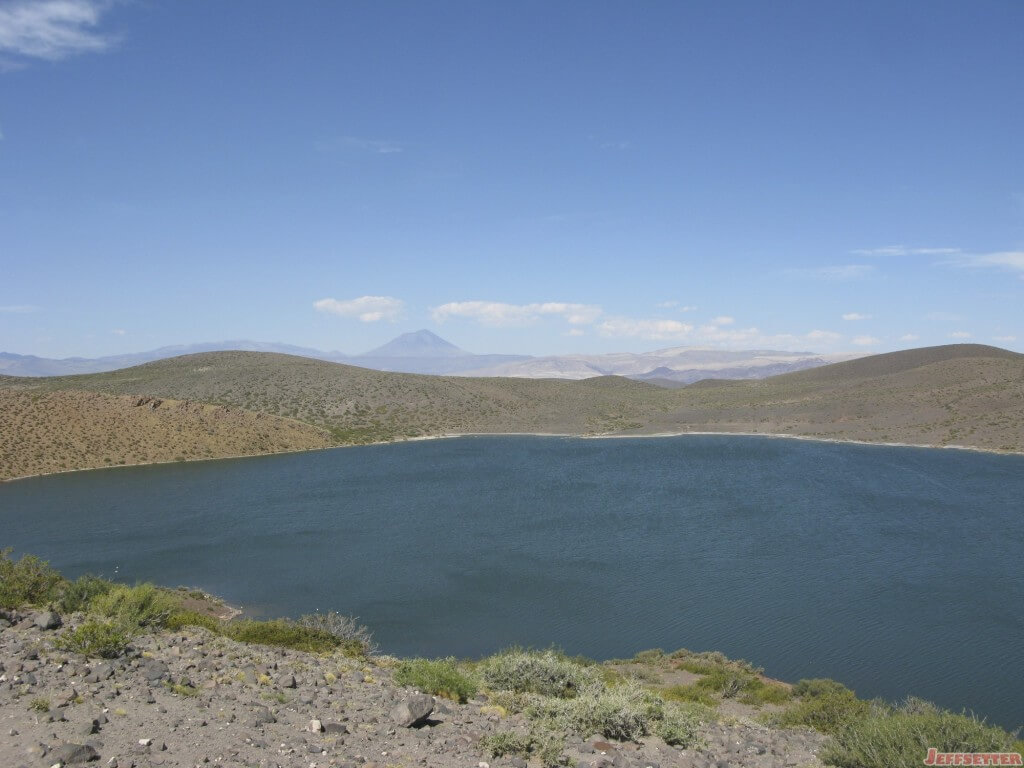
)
(894, 570)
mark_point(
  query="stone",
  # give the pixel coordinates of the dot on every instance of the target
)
(74, 754)
(315, 726)
(262, 716)
(335, 729)
(154, 670)
(286, 681)
(48, 620)
(413, 711)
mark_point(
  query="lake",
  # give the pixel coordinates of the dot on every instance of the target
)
(894, 570)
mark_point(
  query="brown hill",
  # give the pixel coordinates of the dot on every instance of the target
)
(44, 432)
(953, 395)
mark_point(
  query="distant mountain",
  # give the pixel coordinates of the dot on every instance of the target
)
(427, 353)
(667, 367)
(30, 365)
(420, 343)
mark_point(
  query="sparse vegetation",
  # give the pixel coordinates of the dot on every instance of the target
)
(282, 634)
(356, 639)
(103, 639)
(143, 606)
(902, 736)
(441, 677)
(27, 581)
(546, 673)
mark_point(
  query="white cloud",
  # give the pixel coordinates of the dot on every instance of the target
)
(817, 335)
(909, 337)
(369, 309)
(1004, 338)
(1008, 260)
(960, 335)
(18, 309)
(723, 320)
(645, 329)
(856, 316)
(676, 306)
(502, 315)
(837, 273)
(357, 144)
(52, 29)
(902, 250)
(575, 332)
(119, 331)
(866, 341)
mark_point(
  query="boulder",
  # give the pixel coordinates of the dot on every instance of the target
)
(48, 620)
(73, 754)
(413, 711)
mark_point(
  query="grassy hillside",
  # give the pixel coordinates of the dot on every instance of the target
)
(951, 395)
(959, 394)
(361, 405)
(56, 431)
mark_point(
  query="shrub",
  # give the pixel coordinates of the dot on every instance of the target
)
(40, 704)
(356, 639)
(545, 745)
(757, 691)
(143, 606)
(827, 712)
(818, 686)
(688, 693)
(29, 581)
(188, 618)
(679, 725)
(441, 677)
(104, 639)
(903, 738)
(546, 673)
(282, 634)
(507, 743)
(625, 712)
(78, 594)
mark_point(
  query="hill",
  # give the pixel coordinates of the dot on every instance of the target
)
(968, 395)
(963, 394)
(43, 432)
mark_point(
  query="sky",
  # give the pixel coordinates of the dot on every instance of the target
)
(521, 177)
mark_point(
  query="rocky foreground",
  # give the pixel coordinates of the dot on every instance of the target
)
(193, 698)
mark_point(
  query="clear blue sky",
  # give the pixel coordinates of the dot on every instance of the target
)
(536, 177)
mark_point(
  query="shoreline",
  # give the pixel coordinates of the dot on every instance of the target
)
(608, 436)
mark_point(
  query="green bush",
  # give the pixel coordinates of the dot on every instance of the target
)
(818, 686)
(547, 746)
(757, 692)
(903, 738)
(104, 639)
(144, 606)
(188, 618)
(827, 712)
(77, 595)
(507, 743)
(546, 673)
(282, 634)
(441, 677)
(688, 693)
(29, 581)
(355, 639)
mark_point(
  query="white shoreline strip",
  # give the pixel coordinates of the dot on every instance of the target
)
(451, 435)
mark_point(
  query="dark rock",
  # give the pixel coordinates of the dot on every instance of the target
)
(48, 620)
(335, 729)
(262, 715)
(74, 754)
(286, 681)
(154, 670)
(413, 711)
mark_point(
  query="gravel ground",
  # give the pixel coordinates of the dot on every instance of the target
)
(196, 699)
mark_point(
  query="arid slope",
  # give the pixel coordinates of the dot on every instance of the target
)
(968, 395)
(55, 431)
